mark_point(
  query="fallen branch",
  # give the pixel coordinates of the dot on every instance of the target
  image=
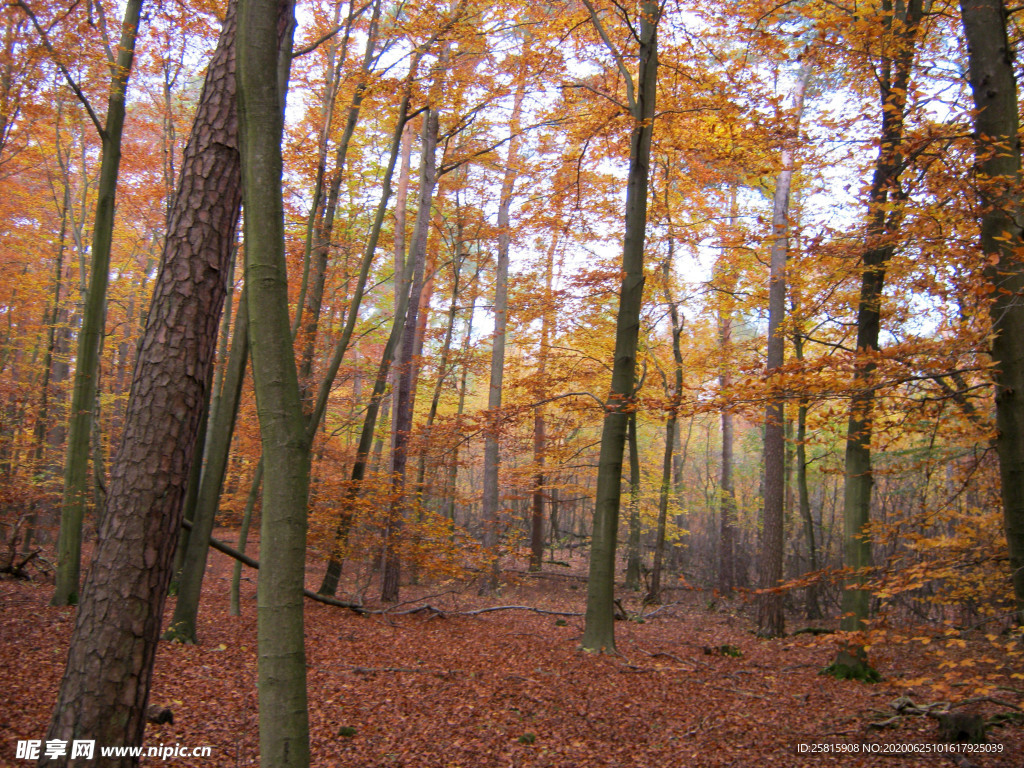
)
(478, 611)
(230, 551)
(444, 614)
(656, 611)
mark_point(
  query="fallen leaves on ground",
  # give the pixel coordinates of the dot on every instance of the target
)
(503, 688)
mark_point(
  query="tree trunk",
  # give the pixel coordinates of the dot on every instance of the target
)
(675, 398)
(599, 630)
(284, 723)
(813, 608)
(104, 689)
(884, 217)
(329, 585)
(405, 397)
(190, 582)
(997, 148)
(492, 459)
(452, 482)
(771, 618)
(324, 229)
(727, 493)
(539, 424)
(442, 366)
(632, 579)
(83, 394)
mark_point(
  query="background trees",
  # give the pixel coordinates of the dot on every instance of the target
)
(529, 123)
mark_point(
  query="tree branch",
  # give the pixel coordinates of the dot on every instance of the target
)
(60, 65)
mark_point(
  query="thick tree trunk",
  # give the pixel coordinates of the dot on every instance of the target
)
(284, 723)
(103, 693)
(83, 396)
(997, 148)
(190, 582)
(599, 630)
(771, 618)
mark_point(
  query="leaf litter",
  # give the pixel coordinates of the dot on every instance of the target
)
(510, 688)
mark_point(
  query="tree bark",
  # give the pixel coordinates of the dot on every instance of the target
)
(492, 458)
(405, 394)
(675, 398)
(104, 689)
(812, 608)
(190, 582)
(283, 717)
(599, 629)
(998, 162)
(885, 207)
(329, 585)
(771, 618)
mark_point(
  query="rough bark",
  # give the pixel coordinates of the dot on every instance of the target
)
(104, 689)
(998, 161)
(599, 630)
(190, 581)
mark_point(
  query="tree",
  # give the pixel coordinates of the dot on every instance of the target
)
(599, 631)
(83, 398)
(405, 394)
(105, 685)
(674, 393)
(284, 719)
(492, 461)
(885, 209)
(771, 615)
(998, 162)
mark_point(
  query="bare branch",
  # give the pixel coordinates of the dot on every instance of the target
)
(619, 61)
(64, 70)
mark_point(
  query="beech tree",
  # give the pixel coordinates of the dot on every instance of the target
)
(83, 398)
(264, 60)
(771, 615)
(599, 633)
(997, 148)
(885, 208)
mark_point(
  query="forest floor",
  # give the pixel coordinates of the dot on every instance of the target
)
(692, 686)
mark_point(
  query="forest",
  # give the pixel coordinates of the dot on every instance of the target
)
(580, 383)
